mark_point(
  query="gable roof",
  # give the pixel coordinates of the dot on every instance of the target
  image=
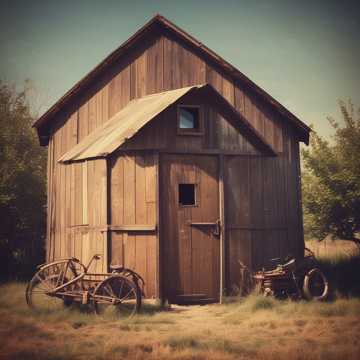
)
(161, 22)
(127, 122)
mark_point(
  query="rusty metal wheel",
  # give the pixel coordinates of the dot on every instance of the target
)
(316, 285)
(39, 294)
(117, 296)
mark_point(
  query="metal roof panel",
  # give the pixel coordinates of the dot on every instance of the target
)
(124, 125)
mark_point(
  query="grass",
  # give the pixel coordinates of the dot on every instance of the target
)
(340, 261)
(344, 275)
(244, 328)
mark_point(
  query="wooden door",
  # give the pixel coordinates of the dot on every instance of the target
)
(190, 235)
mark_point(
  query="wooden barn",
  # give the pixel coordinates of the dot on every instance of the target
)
(168, 160)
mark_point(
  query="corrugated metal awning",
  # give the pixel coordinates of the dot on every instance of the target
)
(124, 125)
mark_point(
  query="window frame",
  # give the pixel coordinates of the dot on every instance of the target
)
(192, 132)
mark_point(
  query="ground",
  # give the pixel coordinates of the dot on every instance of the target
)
(251, 328)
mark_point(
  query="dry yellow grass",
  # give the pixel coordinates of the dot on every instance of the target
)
(333, 249)
(254, 328)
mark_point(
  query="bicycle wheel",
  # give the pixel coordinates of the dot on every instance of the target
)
(117, 296)
(39, 292)
(316, 286)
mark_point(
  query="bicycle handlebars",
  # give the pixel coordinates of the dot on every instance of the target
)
(94, 257)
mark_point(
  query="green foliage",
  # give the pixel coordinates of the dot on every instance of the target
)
(331, 180)
(22, 186)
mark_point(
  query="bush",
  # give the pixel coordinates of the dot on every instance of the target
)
(22, 188)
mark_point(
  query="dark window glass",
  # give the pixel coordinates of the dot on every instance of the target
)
(187, 194)
(189, 118)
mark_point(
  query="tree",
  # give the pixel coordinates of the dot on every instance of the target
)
(22, 186)
(331, 180)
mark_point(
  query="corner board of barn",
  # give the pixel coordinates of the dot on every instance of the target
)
(169, 161)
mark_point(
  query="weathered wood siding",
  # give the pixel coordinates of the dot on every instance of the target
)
(162, 63)
(191, 253)
(133, 198)
(162, 133)
(263, 209)
(77, 209)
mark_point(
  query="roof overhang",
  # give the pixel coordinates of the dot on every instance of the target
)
(159, 22)
(104, 140)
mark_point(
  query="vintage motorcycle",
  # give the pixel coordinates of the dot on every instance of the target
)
(294, 279)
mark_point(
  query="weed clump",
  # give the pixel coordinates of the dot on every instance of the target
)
(125, 327)
(78, 324)
(145, 348)
(182, 343)
(263, 303)
(226, 346)
(218, 345)
(122, 350)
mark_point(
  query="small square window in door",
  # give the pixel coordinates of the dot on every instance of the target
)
(187, 194)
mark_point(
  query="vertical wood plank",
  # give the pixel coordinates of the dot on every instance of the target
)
(157, 247)
(119, 90)
(129, 190)
(117, 191)
(223, 227)
(140, 190)
(83, 121)
(84, 201)
(49, 173)
(154, 67)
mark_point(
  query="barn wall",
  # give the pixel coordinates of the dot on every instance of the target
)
(181, 67)
(162, 133)
(158, 64)
(163, 63)
(263, 211)
(77, 210)
(133, 201)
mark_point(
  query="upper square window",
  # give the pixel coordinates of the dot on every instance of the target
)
(189, 119)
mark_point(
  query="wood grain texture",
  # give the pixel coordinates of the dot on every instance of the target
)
(263, 219)
(162, 132)
(164, 63)
(191, 253)
(133, 207)
(262, 195)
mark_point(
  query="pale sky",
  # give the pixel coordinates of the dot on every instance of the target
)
(306, 54)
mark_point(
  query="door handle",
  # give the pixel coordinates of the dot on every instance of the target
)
(216, 225)
(217, 228)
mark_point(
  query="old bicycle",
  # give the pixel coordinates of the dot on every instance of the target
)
(63, 282)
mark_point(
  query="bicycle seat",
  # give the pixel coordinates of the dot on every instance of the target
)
(117, 267)
(290, 265)
(276, 261)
